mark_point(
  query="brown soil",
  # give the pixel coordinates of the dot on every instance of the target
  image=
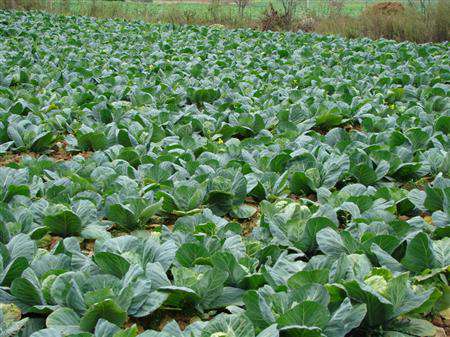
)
(15, 158)
(130, 323)
(248, 224)
(294, 197)
(311, 196)
(182, 319)
(158, 221)
(59, 154)
(443, 326)
(88, 247)
(419, 184)
(160, 318)
(350, 127)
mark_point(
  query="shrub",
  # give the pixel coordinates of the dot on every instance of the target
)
(241, 5)
(272, 19)
(392, 20)
(441, 22)
(386, 8)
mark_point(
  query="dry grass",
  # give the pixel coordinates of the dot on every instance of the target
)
(409, 24)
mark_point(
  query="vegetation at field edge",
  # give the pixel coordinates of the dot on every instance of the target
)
(162, 180)
(419, 20)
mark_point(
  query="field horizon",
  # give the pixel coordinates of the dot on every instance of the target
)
(166, 180)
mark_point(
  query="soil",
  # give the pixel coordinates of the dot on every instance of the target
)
(88, 247)
(14, 158)
(58, 154)
(158, 319)
(248, 224)
(182, 319)
(443, 326)
(404, 218)
(311, 196)
(352, 127)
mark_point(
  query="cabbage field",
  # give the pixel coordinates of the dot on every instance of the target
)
(187, 181)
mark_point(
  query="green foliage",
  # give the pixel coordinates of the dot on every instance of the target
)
(269, 184)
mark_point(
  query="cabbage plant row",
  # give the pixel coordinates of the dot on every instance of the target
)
(257, 184)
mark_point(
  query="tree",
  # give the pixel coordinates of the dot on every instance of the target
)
(335, 6)
(423, 5)
(241, 5)
(289, 8)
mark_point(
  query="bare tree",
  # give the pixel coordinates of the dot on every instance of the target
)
(289, 8)
(335, 6)
(241, 5)
(214, 9)
(423, 5)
